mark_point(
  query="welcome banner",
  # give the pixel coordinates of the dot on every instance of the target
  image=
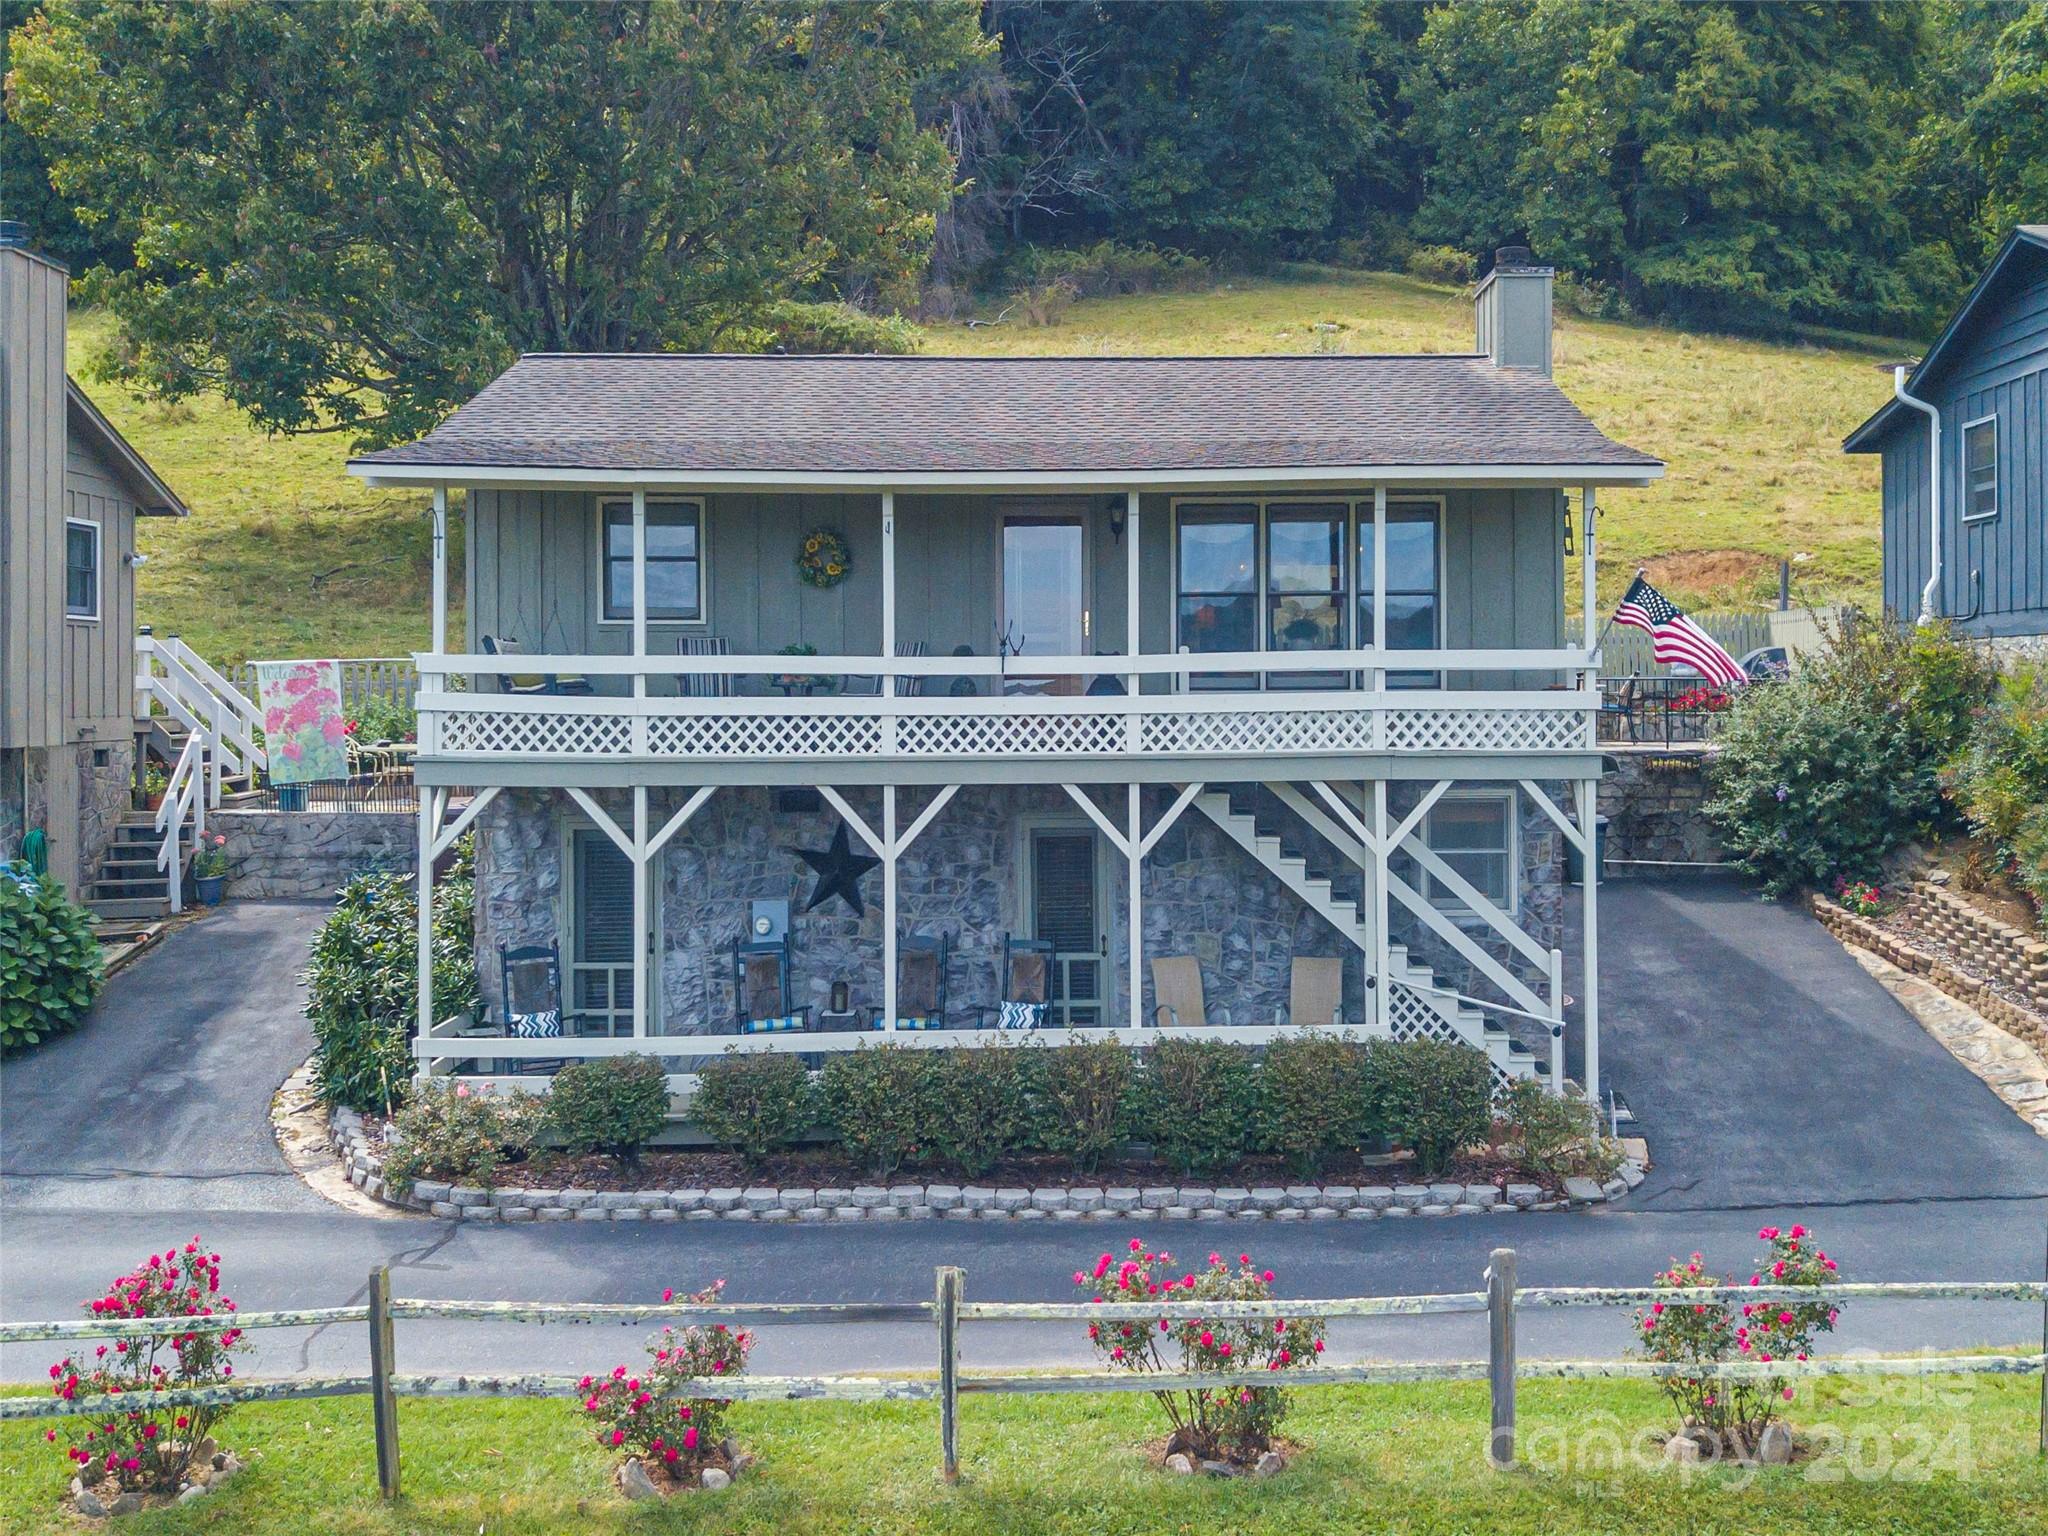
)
(305, 732)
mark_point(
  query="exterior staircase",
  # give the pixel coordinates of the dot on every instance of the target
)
(1416, 1001)
(130, 886)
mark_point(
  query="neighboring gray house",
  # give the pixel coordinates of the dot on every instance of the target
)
(1176, 667)
(1969, 542)
(70, 492)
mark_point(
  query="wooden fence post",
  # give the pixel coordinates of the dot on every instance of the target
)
(383, 1401)
(1500, 1356)
(2044, 1372)
(951, 1282)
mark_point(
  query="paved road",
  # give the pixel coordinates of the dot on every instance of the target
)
(1776, 1082)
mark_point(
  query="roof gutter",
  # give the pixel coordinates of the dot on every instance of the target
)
(1931, 592)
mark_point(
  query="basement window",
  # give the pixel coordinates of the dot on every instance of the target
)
(1473, 832)
(1980, 469)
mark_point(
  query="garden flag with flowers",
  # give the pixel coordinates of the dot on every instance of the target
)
(1674, 639)
(305, 733)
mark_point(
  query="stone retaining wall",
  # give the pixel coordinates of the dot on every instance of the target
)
(311, 853)
(1652, 800)
(968, 1202)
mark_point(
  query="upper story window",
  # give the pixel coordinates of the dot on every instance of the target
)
(1414, 583)
(1980, 468)
(81, 569)
(675, 561)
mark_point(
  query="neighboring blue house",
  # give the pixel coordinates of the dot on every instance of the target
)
(1978, 404)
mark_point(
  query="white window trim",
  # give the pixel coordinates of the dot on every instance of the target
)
(1441, 899)
(703, 506)
(1357, 525)
(99, 571)
(1963, 449)
(568, 926)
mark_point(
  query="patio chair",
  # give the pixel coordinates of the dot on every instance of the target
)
(1315, 991)
(531, 682)
(920, 983)
(1625, 705)
(761, 986)
(862, 684)
(1026, 985)
(704, 685)
(1177, 993)
(532, 989)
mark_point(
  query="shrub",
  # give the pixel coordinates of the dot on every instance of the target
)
(755, 1104)
(1999, 779)
(1735, 1411)
(1438, 264)
(797, 325)
(1557, 1135)
(149, 1449)
(886, 1102)
(611, 1104)
(1198, 1103)
(1212, 1423)
(452, 1132)
(384, 719)
(50, 966)
(1107, 268)
(362, 989)
(1088, 1093)
(991, 1103)
(641, 1416)
(1433, 1096)
(1312, 1099)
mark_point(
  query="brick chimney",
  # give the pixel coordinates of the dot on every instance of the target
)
(1511, 308)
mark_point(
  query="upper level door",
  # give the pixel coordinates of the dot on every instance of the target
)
(1045, 597)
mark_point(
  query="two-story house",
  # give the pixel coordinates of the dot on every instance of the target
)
(1964, 440)
(1210, 694)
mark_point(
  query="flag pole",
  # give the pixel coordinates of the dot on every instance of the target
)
(1640, 570)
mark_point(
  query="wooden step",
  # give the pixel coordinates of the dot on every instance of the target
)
(129, 906)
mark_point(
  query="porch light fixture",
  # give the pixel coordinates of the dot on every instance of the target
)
(1116, 519)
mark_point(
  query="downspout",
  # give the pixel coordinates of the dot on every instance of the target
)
(1930, 592)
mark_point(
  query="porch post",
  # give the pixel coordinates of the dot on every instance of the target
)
(440, 569)
(1589, 982)
(1379, 587)
(1135, 854)
(642, 934)
(423, 903)
(1131, 641)
(888, 893)
(1383, 1007)
(889, 641)
(1589, 515)
(639, 725)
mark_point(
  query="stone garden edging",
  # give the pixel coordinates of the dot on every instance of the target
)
(967, 1202)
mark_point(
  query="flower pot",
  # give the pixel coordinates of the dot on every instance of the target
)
(209, 889)
(291, 797)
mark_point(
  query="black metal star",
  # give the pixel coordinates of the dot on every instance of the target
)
(839, 871)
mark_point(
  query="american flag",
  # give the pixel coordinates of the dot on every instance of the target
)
(1675, 639)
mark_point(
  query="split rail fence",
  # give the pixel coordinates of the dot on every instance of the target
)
(1501, 1301)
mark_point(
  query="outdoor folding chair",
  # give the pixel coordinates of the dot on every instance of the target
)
(1315, 992)
(704, 685)
(1177, 993)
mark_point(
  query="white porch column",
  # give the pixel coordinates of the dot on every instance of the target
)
(440, 569)
(1383, 1007)
(1132, 644)
(1589, 515)
(639, 590)
(889, 850)
(1134, 852)
(889, 636)
(423, 903)
(1379, 585)
(1587, 791)
(642, 931)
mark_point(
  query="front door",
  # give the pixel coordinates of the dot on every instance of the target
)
(1045, 598)
(1066, 909)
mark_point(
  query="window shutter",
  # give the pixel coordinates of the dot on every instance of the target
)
(1063, 891)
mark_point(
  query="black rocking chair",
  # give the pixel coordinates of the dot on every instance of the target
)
(1026, 985)
(761, 988)
(920, 983)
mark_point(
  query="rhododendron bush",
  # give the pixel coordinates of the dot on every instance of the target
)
(147, 1446)
(640, 1414)
(1735, 1411)
(1214, 1422)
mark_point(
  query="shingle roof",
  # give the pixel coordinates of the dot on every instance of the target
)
(835, 414)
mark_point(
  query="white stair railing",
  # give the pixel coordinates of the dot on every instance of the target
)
(184, 797)
(218, 715)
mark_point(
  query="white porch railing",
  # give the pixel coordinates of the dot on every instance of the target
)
(839, 727)
(223, 738)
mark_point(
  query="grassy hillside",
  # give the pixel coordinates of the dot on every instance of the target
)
(286, 555)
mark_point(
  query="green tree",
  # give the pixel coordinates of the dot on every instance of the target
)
(25, 191)
(2007, 125)
(350, 216)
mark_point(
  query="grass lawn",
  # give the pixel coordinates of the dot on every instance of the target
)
(1949, 1457)
(286, 555)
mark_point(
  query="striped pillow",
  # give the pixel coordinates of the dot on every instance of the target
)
(772, 1026)
(912, 1024)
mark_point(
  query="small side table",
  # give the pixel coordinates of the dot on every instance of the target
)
(829, 1022)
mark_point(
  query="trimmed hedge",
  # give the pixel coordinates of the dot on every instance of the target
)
(755, 1104)
(612, 1104)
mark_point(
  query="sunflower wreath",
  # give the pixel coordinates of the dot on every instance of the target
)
(824, 559)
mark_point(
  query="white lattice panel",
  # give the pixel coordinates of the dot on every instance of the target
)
(1254, 732)
(550, 735)
(765, 736)
(1485, 730)
(1002, 733)
(1413, 1015)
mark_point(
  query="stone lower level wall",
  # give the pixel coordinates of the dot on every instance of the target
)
(1652, 799)
(299, 854)
(105, 793)
(76, 801)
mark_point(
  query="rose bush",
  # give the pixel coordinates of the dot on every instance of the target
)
(148, 1447)
(1732, 1412)
(644, 1416)
(452, 1132)
(1216, 1423)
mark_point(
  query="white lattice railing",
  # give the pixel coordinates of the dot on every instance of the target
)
(660, 725)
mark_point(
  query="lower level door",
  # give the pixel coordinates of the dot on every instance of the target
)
(1066, 908)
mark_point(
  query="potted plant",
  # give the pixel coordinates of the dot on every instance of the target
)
(210, 869)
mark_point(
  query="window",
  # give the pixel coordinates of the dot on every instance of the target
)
(1474, 833)
(1980, 468)
(1217, 606)
(1414, 598)
(1305, 586)
(675, 545)
(81, 569)
(601, 932)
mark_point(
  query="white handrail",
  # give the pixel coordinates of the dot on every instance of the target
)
(1151, 664)
(182, 794)
(836, 705)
